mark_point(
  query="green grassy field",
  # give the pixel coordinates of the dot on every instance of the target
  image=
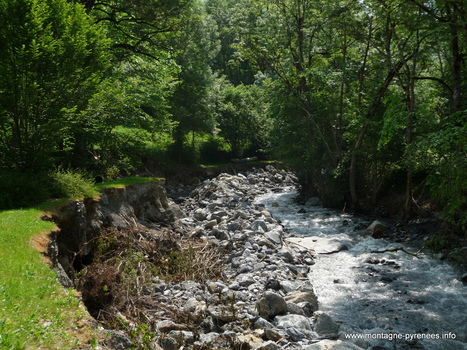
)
(35, 311)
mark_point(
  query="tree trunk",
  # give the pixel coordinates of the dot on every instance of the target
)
(358, 144)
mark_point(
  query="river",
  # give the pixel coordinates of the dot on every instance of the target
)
(393, 300)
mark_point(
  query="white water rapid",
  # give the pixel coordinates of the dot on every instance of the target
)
(393, 300)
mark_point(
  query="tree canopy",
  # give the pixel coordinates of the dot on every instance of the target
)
(358, 98)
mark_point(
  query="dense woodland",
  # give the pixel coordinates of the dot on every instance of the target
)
(359, 98)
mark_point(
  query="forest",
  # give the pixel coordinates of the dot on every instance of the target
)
(361, 99)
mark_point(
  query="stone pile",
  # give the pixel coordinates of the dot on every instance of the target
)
(266, 300)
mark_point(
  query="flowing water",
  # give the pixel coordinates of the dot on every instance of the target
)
(389, 298)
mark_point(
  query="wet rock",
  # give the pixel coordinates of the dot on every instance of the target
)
(464, 278)
(377, 230)
(325, 326)
(313, 201)
(271, 304)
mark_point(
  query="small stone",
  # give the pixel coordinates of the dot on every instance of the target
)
(118, 340)
(168, 343)
(248, 341)
(166, 326)
(182, 337)
(210, 224)
(262, 323)
(233, 226)
(272, 334)
(269, 345)
(288, 286)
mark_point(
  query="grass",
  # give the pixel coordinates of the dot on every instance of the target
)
(36, 312)
(126, 181)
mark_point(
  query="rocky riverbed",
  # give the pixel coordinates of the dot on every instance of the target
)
(247, 285)
(266, 300)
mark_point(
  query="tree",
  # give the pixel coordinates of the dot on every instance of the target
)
(129, 109)
(141, 27)
(192, 103)
(289, 42)
(54, 56)
(241, 118)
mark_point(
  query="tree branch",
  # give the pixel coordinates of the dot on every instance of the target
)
(442, 82)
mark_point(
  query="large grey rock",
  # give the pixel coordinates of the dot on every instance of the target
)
(319, 245)
(271, 304)
(297, 297)
(291, 320)
(377, 229)
(325, 326)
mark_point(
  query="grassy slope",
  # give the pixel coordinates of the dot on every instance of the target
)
(35, 311)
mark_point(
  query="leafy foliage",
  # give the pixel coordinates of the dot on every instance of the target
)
(241, 120)
(53, 58)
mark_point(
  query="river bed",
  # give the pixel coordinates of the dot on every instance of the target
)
(393, 300)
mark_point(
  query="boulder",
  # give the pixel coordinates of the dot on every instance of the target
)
(291, 320)
(271, 304)
(301, 297)
(325, 326)
(377, 230)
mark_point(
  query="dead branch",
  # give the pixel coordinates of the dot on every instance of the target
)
(397, 249)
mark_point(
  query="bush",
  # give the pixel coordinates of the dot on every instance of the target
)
(72, 184)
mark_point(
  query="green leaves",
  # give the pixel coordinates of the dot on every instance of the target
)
(54, 56)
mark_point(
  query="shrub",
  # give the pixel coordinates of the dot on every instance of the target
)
(72, 184)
